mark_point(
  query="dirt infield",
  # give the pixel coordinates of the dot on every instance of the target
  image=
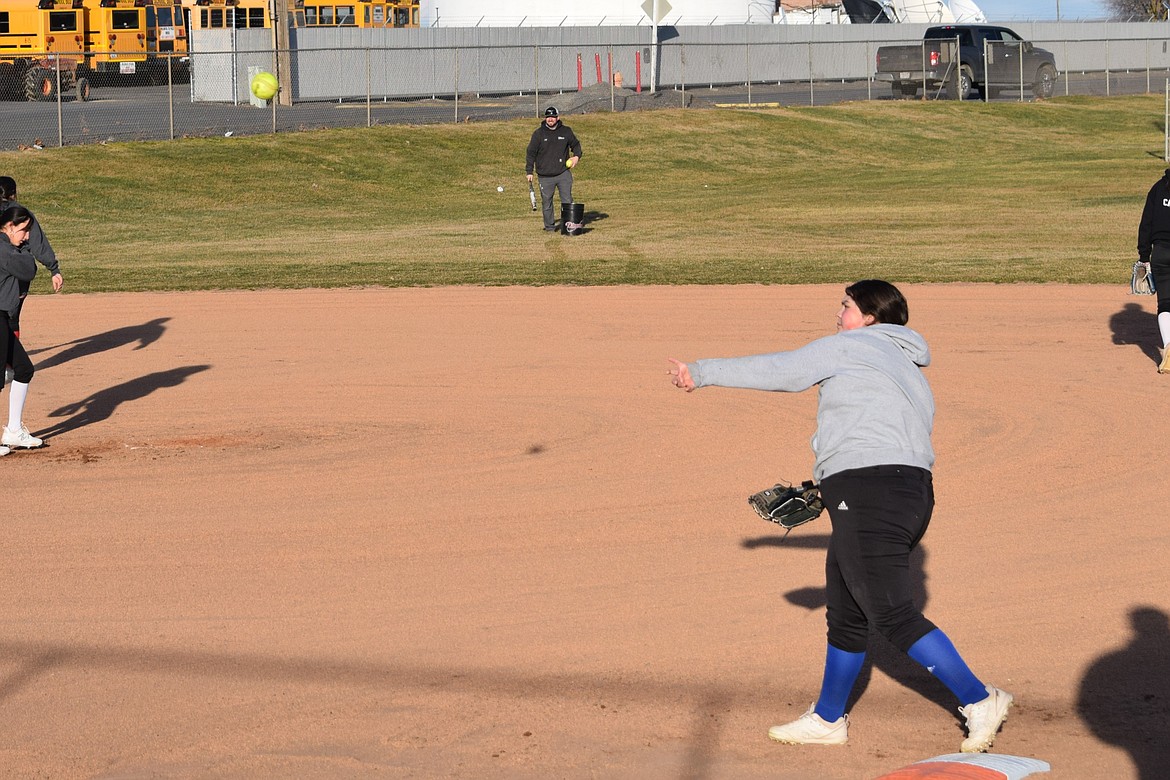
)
(476, 533)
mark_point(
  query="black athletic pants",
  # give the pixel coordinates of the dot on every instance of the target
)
(14, 354)
(879, 514)
(1160, 270)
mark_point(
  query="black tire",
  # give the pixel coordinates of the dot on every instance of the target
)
(961, 88)
(1044, 86)
(40, 84)
(81, 90)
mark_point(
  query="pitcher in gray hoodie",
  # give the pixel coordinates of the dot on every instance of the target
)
(873, 454)
(17, 266)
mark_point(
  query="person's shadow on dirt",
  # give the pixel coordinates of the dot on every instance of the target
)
(145, 334)
(1135, 326)
(880, 653)
(102, 404)
(1125, 694)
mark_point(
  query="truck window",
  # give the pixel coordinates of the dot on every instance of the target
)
(949, 34)
(63, 21)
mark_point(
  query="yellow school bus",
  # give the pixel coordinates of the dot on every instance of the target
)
(356, 13)
(115, 35)
(227, 14)
(42, 44)
(166, 32)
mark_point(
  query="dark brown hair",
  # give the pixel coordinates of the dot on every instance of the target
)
(881, 300)
(14, 215)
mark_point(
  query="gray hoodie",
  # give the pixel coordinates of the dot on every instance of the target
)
(17, 267)
(875, 406)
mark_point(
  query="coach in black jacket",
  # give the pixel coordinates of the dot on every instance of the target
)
(552, 153)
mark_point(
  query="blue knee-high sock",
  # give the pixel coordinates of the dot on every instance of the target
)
(939, 656)
(841, 670)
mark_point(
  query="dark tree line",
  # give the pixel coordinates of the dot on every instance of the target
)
(1136, 10)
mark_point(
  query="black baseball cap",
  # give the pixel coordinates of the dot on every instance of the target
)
(551, 111)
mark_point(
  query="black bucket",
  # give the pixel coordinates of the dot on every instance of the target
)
(572, 217)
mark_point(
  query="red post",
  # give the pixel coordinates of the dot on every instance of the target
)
(597, 61)
(578, 72)
(638, 71)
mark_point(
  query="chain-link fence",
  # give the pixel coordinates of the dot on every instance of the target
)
(346, 87)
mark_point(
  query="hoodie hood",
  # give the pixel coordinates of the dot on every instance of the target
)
(909, 341)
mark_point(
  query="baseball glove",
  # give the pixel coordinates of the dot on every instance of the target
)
(1142, 282)
(788, 506)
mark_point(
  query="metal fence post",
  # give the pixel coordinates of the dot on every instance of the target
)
(1020, 57)
(1066, 69)
(611, 79)
(959, 73)
(536, 75)
(747, 64)
(279, 89)
(682, 74)
(60, 119)
(869, 76)
(369, 110)
(456, 85)
(922, 59)
(1106, 67)
(812, 98)
(170, 98)
(986, 71)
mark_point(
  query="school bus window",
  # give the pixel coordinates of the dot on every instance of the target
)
(217, 18)
(326, 14)
(4, 22)
(63, 21)
(164, 18)
(255, 17)
(124, 20)
(345, 14)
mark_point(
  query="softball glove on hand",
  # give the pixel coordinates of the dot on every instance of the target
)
(1142, 281)
(788, 506)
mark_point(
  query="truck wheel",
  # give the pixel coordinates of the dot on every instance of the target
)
(1045, 84)
(82, 90)
(960, 88)
(40, 84)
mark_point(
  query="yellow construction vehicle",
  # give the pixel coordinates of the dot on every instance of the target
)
(42, 48)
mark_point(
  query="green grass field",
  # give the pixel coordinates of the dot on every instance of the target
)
(910, 191)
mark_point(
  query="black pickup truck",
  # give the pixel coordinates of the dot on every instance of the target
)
(958, 59)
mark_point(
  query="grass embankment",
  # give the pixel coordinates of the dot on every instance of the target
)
(909, 191)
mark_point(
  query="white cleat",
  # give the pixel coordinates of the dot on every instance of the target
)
(984, 719)
(812, 729)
